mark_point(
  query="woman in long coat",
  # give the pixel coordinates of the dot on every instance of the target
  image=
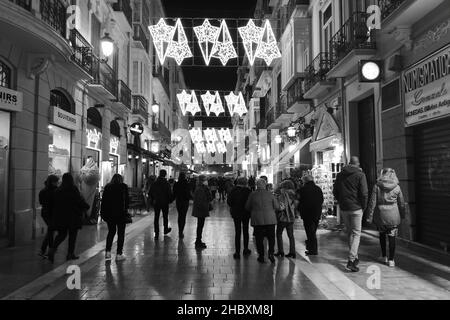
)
(201, 207)
(68, 210)
(114, 209)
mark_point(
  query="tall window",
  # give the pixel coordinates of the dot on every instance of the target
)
(327, 28)
(60, 100)
(5, 75)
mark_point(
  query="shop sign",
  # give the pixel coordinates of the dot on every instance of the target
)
(11, 100)
(426, 88)
(93, 138)
(64, 119)
(137, 129)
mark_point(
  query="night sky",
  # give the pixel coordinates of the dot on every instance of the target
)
(196, 74)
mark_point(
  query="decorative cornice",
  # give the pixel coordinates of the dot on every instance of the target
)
(432, 36)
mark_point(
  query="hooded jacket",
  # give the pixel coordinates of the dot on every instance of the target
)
(350, 189)
(161, 192)
(115, 202)
(387, 204)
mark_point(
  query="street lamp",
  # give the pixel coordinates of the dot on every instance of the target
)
(107, 44)
(291, 132)
(155, 108)
(278, 139)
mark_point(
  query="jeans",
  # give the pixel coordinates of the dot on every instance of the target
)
(289, 226)
(262, 232)
(112, 229)
(48, 240)
(200, 225)
(182, 208)
(62, 234)
(383, 236)
(311, 229)
(241, 226)
(165, 211)
(353, 222)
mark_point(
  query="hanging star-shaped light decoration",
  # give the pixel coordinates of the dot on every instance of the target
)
(236, 104)
(193, 106)
(210, 135)
(196, 135)
(251, 36)
(162, 35)
(208, 100)
(268, 47)
(210, 147)
(207, 36)
(223, 48)
(217, 105)
(183, 100)
(231, 102)
(225, 135)
(200, 146)
(221, 147)
(179, 47)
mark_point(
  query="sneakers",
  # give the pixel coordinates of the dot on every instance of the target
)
(43, 255)
(120, 257)
(356, 262)
(384, 260)
(71, 257)
(391, 263)
(200, 245)
(108, 256)
(351, 266)
(247, 252)
(167, 231)
(236, 256)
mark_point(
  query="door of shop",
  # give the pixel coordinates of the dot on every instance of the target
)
(432, 162)
(4, 172)
(367, 142)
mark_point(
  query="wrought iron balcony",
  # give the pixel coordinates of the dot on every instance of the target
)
(317, 70)
(354, 34)
(104, 76)
(125, 7)
(123, 94)
(295, 93)
(140, 107)
(82, 51)
(389, 6)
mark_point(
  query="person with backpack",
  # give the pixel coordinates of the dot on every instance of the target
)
(286, 217)
(387, 209)
(46, 199)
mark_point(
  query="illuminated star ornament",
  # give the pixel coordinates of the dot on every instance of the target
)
(251, 36)
(236, 104)
(200, 147)
(210, 135)
(183, 100)
(268, 47)
(162, 35)
(225, 135)
(196, 135)
(212, 103)
(193, 107)
(223, 48)
(207, 37)
(208, 100)
(221, 147)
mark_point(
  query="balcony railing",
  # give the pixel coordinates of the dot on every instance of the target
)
(140, 106)
(281, 109)
(104, 75)
(123, 94)
(125, 7)
(317, 70)
(354, 34)
(389, 6)
(82, 51)
(139, 35)
(295, 92)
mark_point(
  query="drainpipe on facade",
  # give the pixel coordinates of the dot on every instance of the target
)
(35, 146)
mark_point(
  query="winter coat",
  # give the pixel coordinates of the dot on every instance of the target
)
(387, 205)
(350, 189)
(262, 204)
(311, 201)
(68, 208)
(161, 192)
(236, 200)
(46, 199)
(229, 186)
(182, 191)
(286, 201)
(202, 199)
(115, 202)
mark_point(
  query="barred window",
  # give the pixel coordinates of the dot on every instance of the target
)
(60, 100)
(5, 75)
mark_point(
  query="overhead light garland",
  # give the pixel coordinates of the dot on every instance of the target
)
(268, 46)
(221, 148)
(162, 34)
(224, 49)
(179, 49)
(236, 104)
(183, 100)
(212, 103)
(251, 35)
(207, 37)
(225, 135)
(193, 106)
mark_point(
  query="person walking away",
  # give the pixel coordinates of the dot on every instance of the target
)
(182, 194)
(286, 217)
(262, 206)
(212, 184)
(251, 183)
(114, 210)
(46, 200)
(150, 181)
(387, 209)
(236, 200)
(161, 195)
(228, 186)
(310, 207)
(68, 208)
(201, 207)
(350, 190)
(221, 183)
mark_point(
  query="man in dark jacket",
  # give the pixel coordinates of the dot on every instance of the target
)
(161, 195)
(182, 194)
(351, 192)
(310, 207)
(236, 200)
(46, 199)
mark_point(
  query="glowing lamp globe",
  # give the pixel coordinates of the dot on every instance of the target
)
(107, 44)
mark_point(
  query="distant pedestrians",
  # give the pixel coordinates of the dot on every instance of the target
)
(182, 194)
(114, 210)
(252, 183)
(236, 200)
(213, 186)
(387, 209)
(201, 208)
(68, 210)
(310, 207)
(46, 199)
(221, 182)
(350, 190)
(286, 217)
(262, 205)
(161, 195)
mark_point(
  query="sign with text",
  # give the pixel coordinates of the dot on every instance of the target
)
(11, 100)
(426, 88)
(64, 119)
(137, 129)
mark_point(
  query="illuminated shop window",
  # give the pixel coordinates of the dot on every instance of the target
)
(59, 150)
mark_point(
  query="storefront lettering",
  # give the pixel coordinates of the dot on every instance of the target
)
(419, 98)
(8, 98)
(67, 118)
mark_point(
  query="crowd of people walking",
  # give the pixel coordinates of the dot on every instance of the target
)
(251, 202)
